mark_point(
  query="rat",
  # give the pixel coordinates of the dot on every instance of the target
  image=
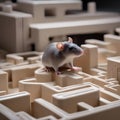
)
(58, 54)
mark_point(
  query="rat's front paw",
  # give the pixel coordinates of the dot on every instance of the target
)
(74, 68)
(47, 69)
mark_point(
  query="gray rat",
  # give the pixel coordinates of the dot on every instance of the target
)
(58, 54)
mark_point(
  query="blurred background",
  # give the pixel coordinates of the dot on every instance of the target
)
(102, 5)
(105, 5)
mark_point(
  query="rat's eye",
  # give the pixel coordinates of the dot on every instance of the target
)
(71, 48)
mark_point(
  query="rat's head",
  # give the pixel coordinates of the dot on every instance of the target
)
(69, 48)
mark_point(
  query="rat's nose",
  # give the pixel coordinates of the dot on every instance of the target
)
(80, 52)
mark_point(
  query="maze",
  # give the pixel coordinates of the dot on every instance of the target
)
(28, 92)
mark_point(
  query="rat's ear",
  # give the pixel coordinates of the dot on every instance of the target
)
(60, 46)
(70, 40)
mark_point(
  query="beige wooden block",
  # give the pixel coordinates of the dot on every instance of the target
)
(32, 86)
(28, 54)
(10, 27)
(112, 97)
(18, 58)
(96, 15)
(42, 76)
(24, 116)
(113, 67)
(103, 101)
(14, 59)
(33, 60)
(8, 72)
(7, 3)
(7, 68)
(17, 101)
(7, 114)
(99, 82)
(112, 80)
(74, 17)
(51, 11)
(7, 8)
(84, 106)
(42, 108)
(48, 9)
(4, 65)
(39, 31)
(103, 66)
(89, 59)
(92, 54)
(23, 42)
(114, 89)
(103, 51)
(114, 40)
(91, 7)
(12, 31)
(68, 79)
(48, 89)
(103, 54)
(3, 81)
(84, 75)
(99, 43)
(107, 112)
(64, 100)
(22, 72)
(98, 73)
